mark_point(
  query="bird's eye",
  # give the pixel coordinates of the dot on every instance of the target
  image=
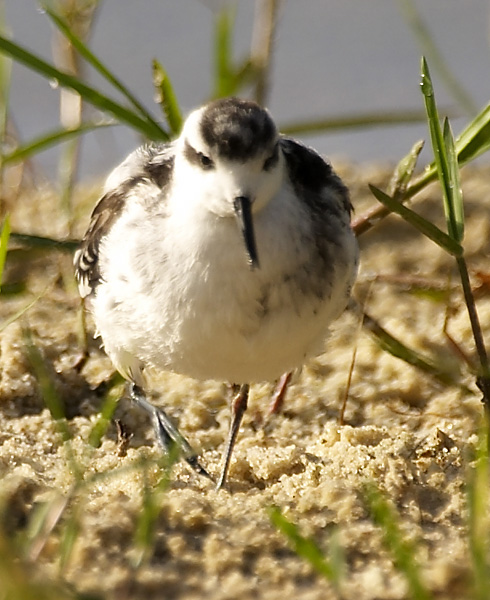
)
(272, 160)
(205, 161)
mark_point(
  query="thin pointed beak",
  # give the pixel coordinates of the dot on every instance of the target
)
(243, 213)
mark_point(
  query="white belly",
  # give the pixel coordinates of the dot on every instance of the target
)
(189, 302)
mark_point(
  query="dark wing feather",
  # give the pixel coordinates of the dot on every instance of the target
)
(311, 175)
(86, 259)
(327, 201)
(150, 164)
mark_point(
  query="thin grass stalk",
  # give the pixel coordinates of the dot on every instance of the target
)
(109, 405)
(67, 177)
(17, 315)
(265, 23)
(4, 242)
(47, 140)
(16, 577)
(52, 400)
(483, 379)
(151, 508)
(478, 518)
(356, 309)
(353, 121)
(145, 530)
(456, 202)
(66, 56)
(50, 395)
(43, 518)
(5, 77)
(71, 533)
(70, 114)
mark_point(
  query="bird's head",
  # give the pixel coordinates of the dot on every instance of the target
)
(230, 150)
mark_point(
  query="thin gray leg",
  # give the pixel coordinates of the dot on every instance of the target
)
(238, 408)
(166, 432)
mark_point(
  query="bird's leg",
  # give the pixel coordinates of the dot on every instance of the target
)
(238, 408)
(166, 432)
(279, 393)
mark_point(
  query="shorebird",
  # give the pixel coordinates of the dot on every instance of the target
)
(222, 255)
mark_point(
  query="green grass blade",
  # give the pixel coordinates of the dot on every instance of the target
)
(434, 125)
(336, 557)
(166, 98)
(304, 547)
(478, 518)
(47, 140)
(5, 78)
(20, 312)
(88, 93)
(39, 242)
(471, 143)
(427, 228)
(355, 121)
(43, 518)
(4, 242)
(396, 348)
(145, 530)
(404, 171)
(111, 400)
(440, 151)
(474, 140)
(456, 194)
(151, 507)
(398, 190)
(224, 80)
(402, 551)
(52, 400)
(49, 393)
(90, 57)
(71, 533)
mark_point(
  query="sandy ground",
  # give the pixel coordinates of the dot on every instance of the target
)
(403, 429)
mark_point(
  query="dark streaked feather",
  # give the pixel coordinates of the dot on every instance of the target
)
(150, 164)
(323, 192)
(86, 261)
(310, 174)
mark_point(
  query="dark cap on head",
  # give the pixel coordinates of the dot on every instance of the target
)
(237, 129)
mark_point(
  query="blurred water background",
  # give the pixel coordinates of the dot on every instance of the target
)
(332, 58)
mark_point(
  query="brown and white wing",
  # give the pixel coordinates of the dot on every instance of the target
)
(149, 164)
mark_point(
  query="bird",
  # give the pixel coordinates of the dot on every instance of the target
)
(222, 255)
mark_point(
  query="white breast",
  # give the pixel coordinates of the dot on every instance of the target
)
(181, 296)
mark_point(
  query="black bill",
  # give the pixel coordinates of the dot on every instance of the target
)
(243, 212)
